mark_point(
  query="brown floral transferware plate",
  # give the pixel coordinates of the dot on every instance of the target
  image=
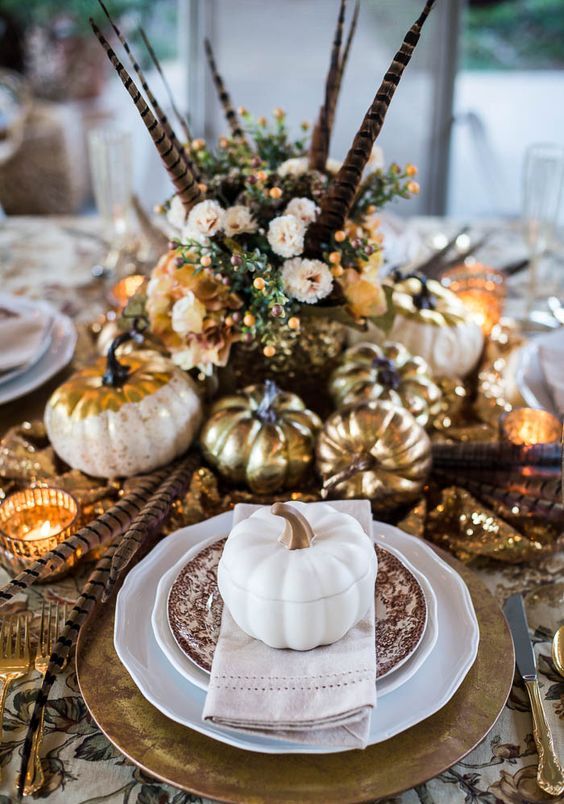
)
(195, 608)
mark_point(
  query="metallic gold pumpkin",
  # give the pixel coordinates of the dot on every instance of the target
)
(374, 450)
(117, 419)
(390, 373)
(261, 436)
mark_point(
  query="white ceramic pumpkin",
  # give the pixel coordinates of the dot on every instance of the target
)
(432, 322)
(119, 419)
(297, 575)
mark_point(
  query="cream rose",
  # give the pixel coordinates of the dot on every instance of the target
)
(307, 281)
(286, 235)
(295, 167)
(207, 218)
(303, 208)
(188, 315)
(176, 214)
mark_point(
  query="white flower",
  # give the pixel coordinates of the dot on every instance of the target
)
(238, 220)
(303, 208)
(294, 167)
(286, 235)
(333, 165)
(188, 315)
(376, 159)
(306, 280)
(176, 214)
(206, 218)
(158, 298)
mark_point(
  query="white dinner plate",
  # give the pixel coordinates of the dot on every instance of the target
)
(430, 688)
(186, 667)
(57, 354)
(529, 375)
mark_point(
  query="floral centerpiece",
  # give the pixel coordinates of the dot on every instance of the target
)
(271, 239)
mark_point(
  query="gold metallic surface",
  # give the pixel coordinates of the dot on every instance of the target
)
(261, 437)
(447, 309)
(84, 394)
(390, 373)
(392, 453)
(196, 763)
(550, 775)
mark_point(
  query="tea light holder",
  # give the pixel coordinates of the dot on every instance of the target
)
(125, 289)
(481, 289)
(33, 522)
(530, 426)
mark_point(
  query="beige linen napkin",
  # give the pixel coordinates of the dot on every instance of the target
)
(318, 697)
(21, 335)
(552, 363)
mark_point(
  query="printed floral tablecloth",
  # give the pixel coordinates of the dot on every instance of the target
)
(81, 766)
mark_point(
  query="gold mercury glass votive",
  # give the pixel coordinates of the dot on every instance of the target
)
(529, 426)
(480, 288)
(34, 521)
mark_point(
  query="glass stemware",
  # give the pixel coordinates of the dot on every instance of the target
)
(543, 176)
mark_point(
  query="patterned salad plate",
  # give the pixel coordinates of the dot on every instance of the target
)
(195, 607)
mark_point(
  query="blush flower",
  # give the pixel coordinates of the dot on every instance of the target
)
(307, 281)
(303, 208)
(238, 220)
(286, 235)
(207, 218)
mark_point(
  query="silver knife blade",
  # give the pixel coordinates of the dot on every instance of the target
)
(514, 610)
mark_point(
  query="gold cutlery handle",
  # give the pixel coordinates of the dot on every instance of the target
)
(3, 695)
(550, 776)
(34, 778)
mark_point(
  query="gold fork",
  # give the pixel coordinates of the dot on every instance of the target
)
(53, 618)
(15, 656)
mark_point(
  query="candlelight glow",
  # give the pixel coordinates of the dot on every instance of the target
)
(481, 289)
(528, 426)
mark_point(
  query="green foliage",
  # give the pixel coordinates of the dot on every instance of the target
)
(383, 186)
(514, 34)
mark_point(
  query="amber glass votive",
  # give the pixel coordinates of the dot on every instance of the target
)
(34, 521)
(481, 289)
(529, 426)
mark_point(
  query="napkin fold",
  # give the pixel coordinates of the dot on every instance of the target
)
(322, 696)
(21, 334)
(551, 353)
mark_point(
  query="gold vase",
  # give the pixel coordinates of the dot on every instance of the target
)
(302, 363)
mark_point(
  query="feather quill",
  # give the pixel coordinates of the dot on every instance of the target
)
(224, 98)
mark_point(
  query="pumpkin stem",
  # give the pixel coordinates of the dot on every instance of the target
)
(424, 299)
(298, 532)
(386, 373)
(362, 463)
(264, 411)
(116, 373)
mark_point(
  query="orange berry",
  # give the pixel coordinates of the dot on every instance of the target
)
(275, 192)
(228, 321)
(294, 322)
(335, 257)
(413, 187)
(269, 351)
(337, 270)
(279, 113)
(371, 209)
(206, 261)
(261, 175)
(410, 169)
(223, 142)
(340, 236)
(242, 111)
(262, 121)
(249, 320)
(259, 283)
(197, 145)
(203, 188)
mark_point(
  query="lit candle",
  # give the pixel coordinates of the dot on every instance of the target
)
(481, 289)
(34, 521)
(530, 426)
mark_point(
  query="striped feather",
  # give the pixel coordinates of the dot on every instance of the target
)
(344, 59)
(182, 177)
(337, 202)
(107, 527)
(321, 136)
(474, 455)
(150, 519)
(154, 58)
(224, 99)
(157, 109)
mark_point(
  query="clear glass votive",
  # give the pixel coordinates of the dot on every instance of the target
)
(481, 289)
(33, 522)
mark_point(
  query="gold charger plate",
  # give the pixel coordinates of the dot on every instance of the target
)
(198, 764)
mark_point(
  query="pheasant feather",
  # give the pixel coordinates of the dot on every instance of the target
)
(338, 200)
(224, 98)
(181, 175)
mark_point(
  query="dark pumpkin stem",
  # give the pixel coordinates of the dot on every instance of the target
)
(386, 372)
(265, 411)
(362, 463)
(116, 373)
(424, 299)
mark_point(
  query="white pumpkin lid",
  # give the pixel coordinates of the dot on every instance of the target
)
(340, 555)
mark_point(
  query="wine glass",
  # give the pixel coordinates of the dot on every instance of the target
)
(14, 108)
(543, 176)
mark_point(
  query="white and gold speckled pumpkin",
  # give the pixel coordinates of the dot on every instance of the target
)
(119, 419)
(432, 322)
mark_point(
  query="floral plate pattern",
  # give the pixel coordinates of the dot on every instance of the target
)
(195, 608)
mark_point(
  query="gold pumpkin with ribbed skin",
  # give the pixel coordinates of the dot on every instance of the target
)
(262, 437)
(374, 450)
(390, 373)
